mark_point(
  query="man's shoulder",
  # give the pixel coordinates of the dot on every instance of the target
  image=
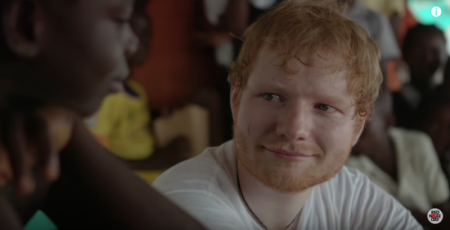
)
(359, 203)
(348, 177)
(351, 186)
(207, 172)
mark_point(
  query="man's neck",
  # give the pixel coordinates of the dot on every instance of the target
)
(275, 210)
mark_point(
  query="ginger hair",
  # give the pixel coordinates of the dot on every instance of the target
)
(309, 28)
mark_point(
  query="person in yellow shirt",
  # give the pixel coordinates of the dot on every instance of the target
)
(122, 124)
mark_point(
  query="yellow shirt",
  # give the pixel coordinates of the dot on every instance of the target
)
(122, 124)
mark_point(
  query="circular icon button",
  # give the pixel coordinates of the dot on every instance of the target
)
(436, 11)
(435, 216)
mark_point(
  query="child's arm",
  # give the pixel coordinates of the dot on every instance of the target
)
(8, 217)
(127, 201)
(163, 158)
(121, 199)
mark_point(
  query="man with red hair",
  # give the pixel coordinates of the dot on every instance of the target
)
(303, 86)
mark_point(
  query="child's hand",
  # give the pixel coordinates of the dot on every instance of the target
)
(32, 139)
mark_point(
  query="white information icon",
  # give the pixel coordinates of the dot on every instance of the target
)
(436, 11)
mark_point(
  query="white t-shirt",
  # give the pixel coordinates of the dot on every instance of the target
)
(206, 188)
(421, 181)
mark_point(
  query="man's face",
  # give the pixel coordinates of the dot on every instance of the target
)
(437, 126)
(426, 57)
(84, 49)
(293, 131)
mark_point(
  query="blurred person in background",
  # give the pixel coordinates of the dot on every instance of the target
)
(402, 162)
(393, 9)
(379, 28)
(446, 83)
(424, 52)
(182, 70)
(123, 125)
(433, 118)
(58, 61)
(224, 18)
(401, 20)
(229, 17)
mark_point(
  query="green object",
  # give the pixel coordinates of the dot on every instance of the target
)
(40, 221)
(421, 10)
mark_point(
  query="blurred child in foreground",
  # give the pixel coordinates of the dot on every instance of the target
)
(122, 124)
(59, 59)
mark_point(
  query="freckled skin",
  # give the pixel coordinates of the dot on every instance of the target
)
(308, 111)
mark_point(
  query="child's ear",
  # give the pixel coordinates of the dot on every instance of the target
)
(19, 28)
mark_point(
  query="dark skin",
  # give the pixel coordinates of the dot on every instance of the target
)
(142, 26)
(424, 58)
(376, 144)
(124, 200)
(447, 74)
(41, 76)
(163, 158)
(437, 126)
(134, 192)
(8, 219)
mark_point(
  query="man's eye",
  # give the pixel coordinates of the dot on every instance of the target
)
(271, 97)
(325, 108)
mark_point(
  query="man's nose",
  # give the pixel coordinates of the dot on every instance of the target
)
(294, 122)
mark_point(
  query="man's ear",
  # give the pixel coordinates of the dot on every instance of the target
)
(19, 28)
(234, 103)
(359, 132)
